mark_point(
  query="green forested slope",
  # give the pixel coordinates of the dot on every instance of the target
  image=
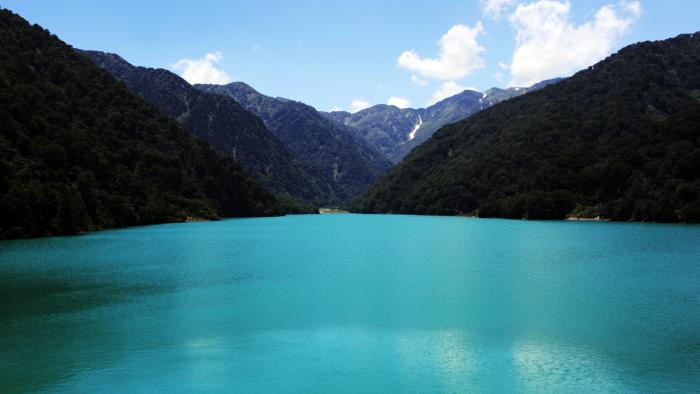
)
(221, 122)
(619, 140)
(79, 151)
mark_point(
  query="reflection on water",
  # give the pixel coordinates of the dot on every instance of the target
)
(352, 303)
(546, 368)
(449, 357)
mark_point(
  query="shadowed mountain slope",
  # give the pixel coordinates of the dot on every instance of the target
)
(79, 151)
(221, 122)
(344, 159)
(617, 140)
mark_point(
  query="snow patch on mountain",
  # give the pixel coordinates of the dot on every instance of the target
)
(412, 134)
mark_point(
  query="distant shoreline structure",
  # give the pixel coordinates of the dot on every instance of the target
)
(584, 219)
(331, 211)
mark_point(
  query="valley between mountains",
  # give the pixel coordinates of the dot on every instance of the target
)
(90, 141)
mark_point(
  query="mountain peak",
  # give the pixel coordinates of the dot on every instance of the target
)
(242, 86)
(395, 131)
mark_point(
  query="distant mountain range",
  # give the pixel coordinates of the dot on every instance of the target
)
(619, 140)
(395, 132)
(344, 159)
(79, 151)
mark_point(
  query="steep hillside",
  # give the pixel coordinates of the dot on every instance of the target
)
(221, 122)
(618, 140)
(78, 151)
(395, 132)
(385, 127)
(346, 162)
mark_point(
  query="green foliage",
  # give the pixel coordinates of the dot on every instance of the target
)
(293, 206)
(621, 136)
(78, 151)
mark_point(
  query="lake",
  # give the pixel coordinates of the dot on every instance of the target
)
(354, 303)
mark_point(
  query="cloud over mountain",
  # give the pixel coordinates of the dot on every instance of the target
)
(460, 55)
(202, 70)
(399, 102)
(549, 44)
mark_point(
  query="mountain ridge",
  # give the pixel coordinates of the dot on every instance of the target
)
(221, 122)
(605, 142)
(396, 131)
(336, 153)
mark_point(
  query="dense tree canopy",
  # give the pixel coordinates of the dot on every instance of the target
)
(79, 151)
(618, 140)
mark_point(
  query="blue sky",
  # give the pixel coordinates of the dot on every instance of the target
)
(331, 54)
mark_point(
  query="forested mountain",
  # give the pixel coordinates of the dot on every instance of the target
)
(79, 151)
(221, 122)
(383, 126)
(618, 140)
(396, 131)
(337, 153)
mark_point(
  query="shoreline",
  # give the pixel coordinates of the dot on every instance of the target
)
(333, 211)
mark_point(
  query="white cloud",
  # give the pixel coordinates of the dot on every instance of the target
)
(448, 89)
(503, 65)
(202, 70)
(420, 82)
(358, 105)
(633, 7)
(496, 8)
(335, 109)
(399, 102)
(549, 44)
(459, 55)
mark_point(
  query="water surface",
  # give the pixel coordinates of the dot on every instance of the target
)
(354, 303)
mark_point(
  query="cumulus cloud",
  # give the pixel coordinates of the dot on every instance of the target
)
(399, 102)
(420, 82)
(448, 89)
(496, 8)
(358, 105)
(202, 70)
(336, 109)
(460, 55)
(549, 44)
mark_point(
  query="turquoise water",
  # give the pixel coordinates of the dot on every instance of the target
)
(353, 303)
